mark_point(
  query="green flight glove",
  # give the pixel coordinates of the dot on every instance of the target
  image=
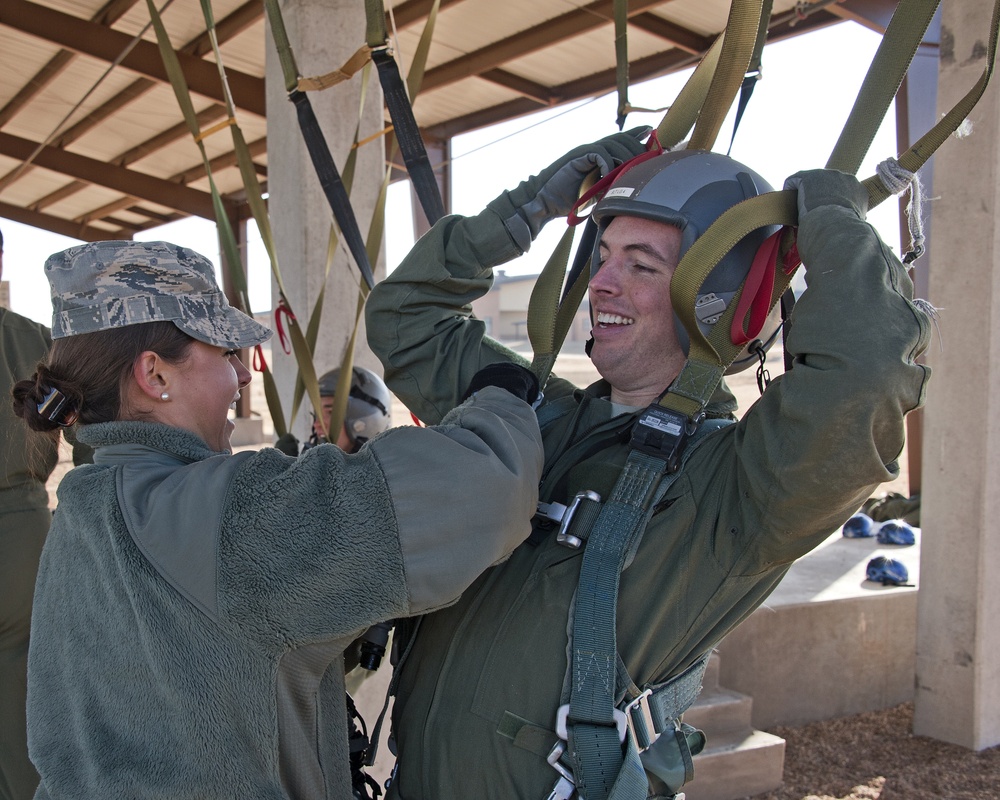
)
(552, 193)
(287, 444)
(828, 187)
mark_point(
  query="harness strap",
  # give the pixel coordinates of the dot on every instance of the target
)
(592, 718)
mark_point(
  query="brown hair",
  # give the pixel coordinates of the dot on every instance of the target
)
(92, 370)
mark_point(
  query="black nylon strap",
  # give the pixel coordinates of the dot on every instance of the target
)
(330, 181)
(407, 133)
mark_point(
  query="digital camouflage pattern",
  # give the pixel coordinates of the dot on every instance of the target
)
(103, 285)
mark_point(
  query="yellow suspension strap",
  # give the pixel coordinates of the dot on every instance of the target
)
(226, 236)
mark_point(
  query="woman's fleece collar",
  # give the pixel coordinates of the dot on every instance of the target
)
(175, 441)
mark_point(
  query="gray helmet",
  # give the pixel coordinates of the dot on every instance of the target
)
(367, 406)
(690, 189)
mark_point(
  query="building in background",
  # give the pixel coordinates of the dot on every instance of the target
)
(504, 310)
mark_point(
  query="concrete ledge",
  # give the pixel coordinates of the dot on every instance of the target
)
(249, 431)
(828, 643)
(737, 766)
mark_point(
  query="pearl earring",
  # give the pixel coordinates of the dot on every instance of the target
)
(164, 396)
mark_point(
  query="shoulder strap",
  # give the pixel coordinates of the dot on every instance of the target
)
(594, 726)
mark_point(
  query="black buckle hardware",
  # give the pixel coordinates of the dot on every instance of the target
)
(663, 433)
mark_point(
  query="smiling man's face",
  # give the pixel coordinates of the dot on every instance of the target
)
(636, 348)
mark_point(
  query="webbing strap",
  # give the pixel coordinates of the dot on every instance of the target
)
(684, 111)
(593, 733)
(902, 36)
(621, 59)
(753, 73)
(549, 317)
(319, 151)
(914, 158)
(737, 50)
(407, 133)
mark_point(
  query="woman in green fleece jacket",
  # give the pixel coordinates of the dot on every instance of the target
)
(193, 606)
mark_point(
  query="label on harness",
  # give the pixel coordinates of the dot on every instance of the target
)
(662, 433)
(620, 191)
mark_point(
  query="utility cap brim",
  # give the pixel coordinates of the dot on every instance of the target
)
(112, 284)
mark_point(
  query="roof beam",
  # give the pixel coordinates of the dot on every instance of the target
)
(137, 184)
(574, 23)
(602, 82)
(140, 151)
(46, 222)
(108, 15)
(108, 45)
(681, 38)
(413, 11)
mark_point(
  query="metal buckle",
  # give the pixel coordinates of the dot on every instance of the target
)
(636, 712)
(566, 785)
(557, 512)
(621, 723)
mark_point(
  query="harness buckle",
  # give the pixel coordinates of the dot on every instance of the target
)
(557, 512)
(562, 715)
(639, 717)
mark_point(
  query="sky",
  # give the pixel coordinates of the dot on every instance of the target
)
(808, 87)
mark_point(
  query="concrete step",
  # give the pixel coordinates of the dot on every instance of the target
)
(720, 711)
(710, 680)
(737, 765)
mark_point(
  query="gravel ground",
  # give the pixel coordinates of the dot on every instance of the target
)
(875, 756)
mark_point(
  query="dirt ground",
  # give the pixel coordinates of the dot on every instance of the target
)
(875, 756)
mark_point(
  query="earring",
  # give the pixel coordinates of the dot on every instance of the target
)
(164, 396)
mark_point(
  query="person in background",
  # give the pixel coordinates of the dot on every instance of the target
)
(368, 413)
(492, 697)
(192, 605)
(27, 460)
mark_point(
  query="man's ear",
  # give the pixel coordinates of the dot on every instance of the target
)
(149, 375)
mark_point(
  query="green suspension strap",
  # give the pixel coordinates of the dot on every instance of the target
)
(621, 59)
(226, 236)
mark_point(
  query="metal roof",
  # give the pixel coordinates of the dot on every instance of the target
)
(93, 144)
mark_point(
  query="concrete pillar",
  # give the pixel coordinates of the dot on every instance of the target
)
(323, 35)
(958, 639)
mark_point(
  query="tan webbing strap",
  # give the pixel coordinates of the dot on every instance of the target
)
(737, 50)
(708, 358)
(914, 158)
(350, 68)
(895, 52)
(684, 111)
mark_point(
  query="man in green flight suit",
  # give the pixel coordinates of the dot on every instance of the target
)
(26, 461)
(481, 704)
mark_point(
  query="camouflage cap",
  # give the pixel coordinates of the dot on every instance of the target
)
(112, 284)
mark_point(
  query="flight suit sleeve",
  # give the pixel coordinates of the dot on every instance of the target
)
(420, 321)
(826, 434)
(331, 542)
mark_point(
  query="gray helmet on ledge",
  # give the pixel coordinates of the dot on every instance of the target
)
(691, 189)
(367, 405)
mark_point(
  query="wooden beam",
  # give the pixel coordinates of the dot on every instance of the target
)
(573, 23)
(107, 16)
(64, 227)
(108, 45)
(127, 181)
(681, 38)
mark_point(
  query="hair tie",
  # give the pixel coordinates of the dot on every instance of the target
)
(54, 408)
